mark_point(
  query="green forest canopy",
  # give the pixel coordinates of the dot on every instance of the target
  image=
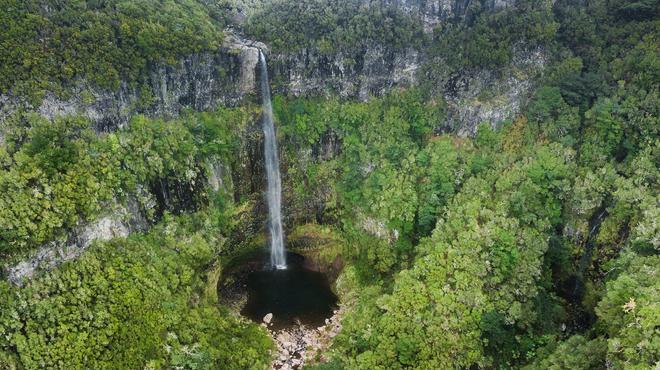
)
(532, 245)
(49, 45)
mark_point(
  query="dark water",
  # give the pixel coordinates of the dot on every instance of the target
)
(291, 295)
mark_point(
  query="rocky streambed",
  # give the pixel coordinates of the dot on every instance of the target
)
(301, 344)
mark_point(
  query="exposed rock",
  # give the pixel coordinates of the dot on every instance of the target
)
(490, 96)
(219, 177)
(370, 72)
(473, 96)
(378, 229)
(200, 81)
(267, 319)
(119, 224)
(248, 55)
(301, 345)
(206, 80)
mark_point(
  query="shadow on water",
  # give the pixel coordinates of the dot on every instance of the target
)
(295, 295)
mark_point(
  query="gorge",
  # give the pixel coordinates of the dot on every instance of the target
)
(404, 184)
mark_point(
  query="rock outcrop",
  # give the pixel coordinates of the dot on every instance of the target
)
(206, 80)
(434, 12)
(371, 72)
(490, 96)
(301, 345)
(119, 223)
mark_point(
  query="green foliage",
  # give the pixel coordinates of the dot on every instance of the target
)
(333, 26)
(55, 174)
(440, 163)
(208, 338)
(128, 303)
(483, 260)
(363, 308)
(534, 243)
(558, 121)
(61, 174)
(49, 46)
(599, 32)
(388, 183)
(576, 352)
(489, 40)
(484, 289)
(629, 313)
(334, 364)
(480, 291)
(604, 133)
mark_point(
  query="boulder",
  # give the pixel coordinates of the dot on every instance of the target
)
(268, 318)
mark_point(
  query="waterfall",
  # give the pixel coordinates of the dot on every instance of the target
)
(274, 191)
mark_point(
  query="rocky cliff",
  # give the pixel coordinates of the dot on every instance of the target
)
(205, 80)
(370, 72)
(226, 78)
(431, 12)
(119, 221)
(490, 96)
(473, 96)
(199, 81)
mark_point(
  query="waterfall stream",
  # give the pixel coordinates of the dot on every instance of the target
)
(274, 191)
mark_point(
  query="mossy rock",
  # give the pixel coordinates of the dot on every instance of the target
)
(321, 245)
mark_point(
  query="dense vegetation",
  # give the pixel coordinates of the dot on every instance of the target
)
(511, 267)
(56, 174)
(131, 303)
(333, 26)
(490, 38)
(47, 46)
(126, 303)
(476, 37)
(531, 245)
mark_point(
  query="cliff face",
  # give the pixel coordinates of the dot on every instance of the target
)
(119, 222)
(434, 12)
(490, 96)
(473, 96)
(206, 80)
(225, 78)
(199, 81)
(371, 72)
(376, 69)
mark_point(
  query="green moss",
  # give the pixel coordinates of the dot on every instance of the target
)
(211, 285)
(322, 243)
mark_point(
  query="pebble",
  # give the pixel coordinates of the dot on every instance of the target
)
(268, 318)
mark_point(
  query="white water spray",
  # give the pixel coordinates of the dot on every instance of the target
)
(274, 191)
